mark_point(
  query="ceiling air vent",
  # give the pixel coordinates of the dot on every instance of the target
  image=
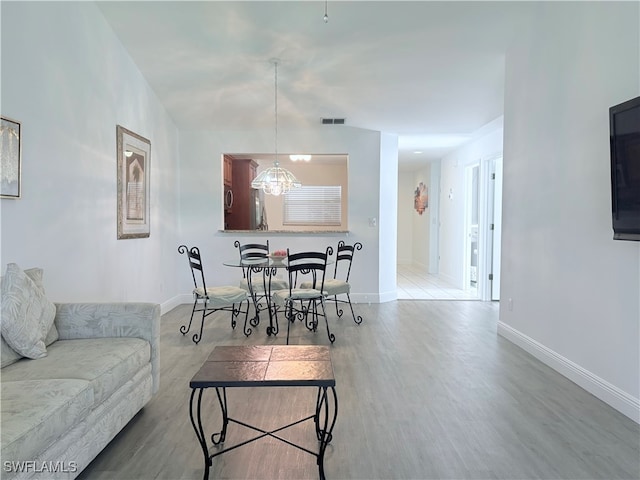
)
(333, 121)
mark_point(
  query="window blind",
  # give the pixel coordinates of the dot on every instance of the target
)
(313, 205)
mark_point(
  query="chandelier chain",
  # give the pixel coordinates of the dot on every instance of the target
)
(276, 110)
(275, 180)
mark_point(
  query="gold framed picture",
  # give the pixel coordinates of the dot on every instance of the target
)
(134, 161)
(10, 158)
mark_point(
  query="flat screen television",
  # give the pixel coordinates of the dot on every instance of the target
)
(624, 126)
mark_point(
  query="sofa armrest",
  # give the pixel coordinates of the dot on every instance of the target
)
(125, 319)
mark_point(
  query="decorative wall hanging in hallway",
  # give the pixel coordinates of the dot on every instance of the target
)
(421, 198)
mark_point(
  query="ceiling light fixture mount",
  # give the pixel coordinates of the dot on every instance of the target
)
(275, 180)
(303, 158)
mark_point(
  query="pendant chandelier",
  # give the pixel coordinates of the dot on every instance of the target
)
(275, 180)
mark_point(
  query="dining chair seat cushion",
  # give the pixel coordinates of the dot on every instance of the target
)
(332, 286)
(258, 284)
(224, 296)
(280, 297)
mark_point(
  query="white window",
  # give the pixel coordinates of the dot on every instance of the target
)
(313, 205)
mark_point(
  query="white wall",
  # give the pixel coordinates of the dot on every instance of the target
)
(66, 77)
(434, 217)
(201, 200)
(77, 84)
(405, 217)
(574, 290)
(387, 219)
(486, 145)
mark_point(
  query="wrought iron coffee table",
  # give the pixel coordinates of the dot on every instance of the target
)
(266, 366)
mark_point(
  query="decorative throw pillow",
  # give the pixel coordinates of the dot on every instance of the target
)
(36, 275)
(7, 353)
(27, 315)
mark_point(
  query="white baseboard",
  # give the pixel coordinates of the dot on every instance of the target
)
(363, 297)
(174, 302)
(389, 296)
(374, 297)
(610, 394)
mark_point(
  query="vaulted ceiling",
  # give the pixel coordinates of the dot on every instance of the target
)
(430, 72)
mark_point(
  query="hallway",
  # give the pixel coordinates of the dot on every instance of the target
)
(414, 284)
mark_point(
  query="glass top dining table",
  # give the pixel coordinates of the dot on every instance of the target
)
(257, 264)
(268, 267)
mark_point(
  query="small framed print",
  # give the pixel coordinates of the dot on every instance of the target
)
(134, 162)
(10, 158)
(421, 198)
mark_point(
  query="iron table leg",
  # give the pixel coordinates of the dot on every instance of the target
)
(324, 434)
(195, 414)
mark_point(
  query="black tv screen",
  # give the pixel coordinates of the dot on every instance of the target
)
(624, 126)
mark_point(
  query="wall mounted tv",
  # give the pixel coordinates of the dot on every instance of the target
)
(624, 126)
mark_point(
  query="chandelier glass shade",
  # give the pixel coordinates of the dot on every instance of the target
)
(275, 180)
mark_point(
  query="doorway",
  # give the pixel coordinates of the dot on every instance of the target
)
(483, 228)
(471, 232)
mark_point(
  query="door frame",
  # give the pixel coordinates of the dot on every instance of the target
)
(468, 226)
(487, 247)
(492, 181)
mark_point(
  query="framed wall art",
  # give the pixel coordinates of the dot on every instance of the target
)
(421, 198)
(10, 158)
(134, 162)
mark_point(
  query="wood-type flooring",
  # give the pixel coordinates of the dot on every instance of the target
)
(426, 390)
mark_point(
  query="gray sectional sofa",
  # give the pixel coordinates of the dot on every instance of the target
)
(99, 368)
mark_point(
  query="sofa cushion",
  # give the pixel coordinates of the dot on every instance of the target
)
(8, 354)
(106, 363)
(27, 314)
(36, 412)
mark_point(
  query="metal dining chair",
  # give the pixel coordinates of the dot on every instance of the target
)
(305, 303)
(339, 284)
(212, 299)
(258, 281)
